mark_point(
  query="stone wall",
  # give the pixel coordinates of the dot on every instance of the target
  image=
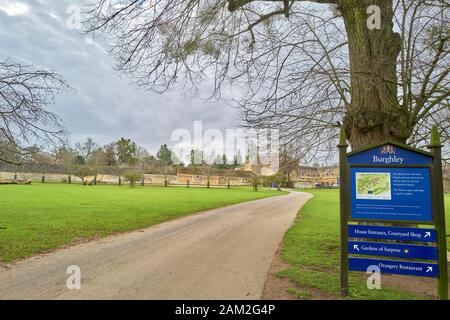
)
(101, 178)
(303, 185)
(36, 177)
(197, 179)
(149, 179)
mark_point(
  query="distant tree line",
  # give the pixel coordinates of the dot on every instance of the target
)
(88, 159)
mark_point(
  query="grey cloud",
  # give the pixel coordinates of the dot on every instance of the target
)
(105, 105)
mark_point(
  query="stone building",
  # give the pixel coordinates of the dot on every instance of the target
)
(309, 177)
(258, 169)
(217, 177)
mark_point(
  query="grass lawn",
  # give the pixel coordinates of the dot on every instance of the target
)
(41, 217)
(311, 247)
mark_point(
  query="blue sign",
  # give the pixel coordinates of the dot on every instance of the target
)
(390, 155)
(405, 251)
(392, 233)
(401, 194)
(420, 269)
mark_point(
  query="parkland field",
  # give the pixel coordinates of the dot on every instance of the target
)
(40, 217)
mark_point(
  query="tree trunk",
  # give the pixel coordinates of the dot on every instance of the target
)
(375, 113)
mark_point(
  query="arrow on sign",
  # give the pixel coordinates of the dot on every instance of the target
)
(355, 246)
(429, 269)
(427, 234)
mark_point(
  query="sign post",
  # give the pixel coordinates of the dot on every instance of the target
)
(438, 200)
(386, 184)
(344, 208)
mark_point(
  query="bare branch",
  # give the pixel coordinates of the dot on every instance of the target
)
(25, 94)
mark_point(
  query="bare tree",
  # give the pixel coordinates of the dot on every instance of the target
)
(9, 153)
(65, 156)
(86, 148)
(42, 159)
(290, 158)
(97, 159)
(25, 95)
(143, 158)
(83, 172)
(132, 176)
(306, 69)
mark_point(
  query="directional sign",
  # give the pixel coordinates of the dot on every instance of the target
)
(392, 183)
(395, 267)
(406, 251)
(393, 194)
(392, 233)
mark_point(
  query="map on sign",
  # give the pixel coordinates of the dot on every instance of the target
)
(373, 185)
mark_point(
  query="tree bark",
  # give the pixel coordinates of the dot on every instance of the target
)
(375, 113)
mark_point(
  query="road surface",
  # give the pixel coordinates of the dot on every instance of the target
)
(218, 254)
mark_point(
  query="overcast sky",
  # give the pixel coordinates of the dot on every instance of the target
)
(105, 106)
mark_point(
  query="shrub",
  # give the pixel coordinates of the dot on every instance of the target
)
(132, 177)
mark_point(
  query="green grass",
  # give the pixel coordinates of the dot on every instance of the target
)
(41, 217)
(311, 247)
(300, 294)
